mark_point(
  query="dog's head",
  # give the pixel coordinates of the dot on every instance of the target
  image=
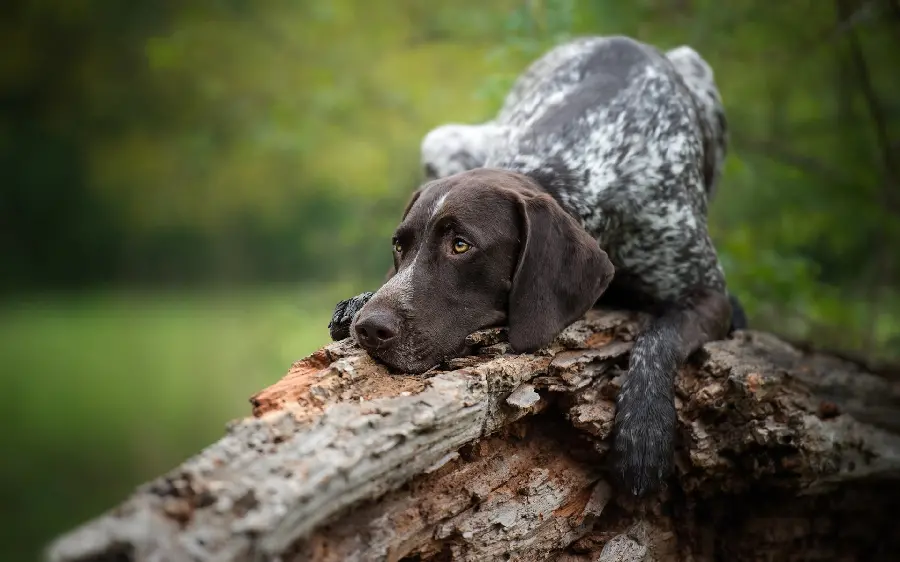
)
(479, 249)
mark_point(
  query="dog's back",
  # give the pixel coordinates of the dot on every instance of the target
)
(558, 66)
(617, 122)
(551, 80)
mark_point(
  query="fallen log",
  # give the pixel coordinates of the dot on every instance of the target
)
(783, 454)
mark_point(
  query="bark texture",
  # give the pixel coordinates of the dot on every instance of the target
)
(784, 454)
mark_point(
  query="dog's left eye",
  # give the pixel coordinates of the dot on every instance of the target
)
(460, 246)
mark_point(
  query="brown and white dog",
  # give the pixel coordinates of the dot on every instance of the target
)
(592, 183)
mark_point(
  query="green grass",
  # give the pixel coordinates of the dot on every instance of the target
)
(106, 391)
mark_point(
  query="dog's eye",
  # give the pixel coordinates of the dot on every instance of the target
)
(460, 246)
(398, 247)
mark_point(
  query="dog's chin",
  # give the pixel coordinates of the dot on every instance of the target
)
(415, 364)
(404, 365)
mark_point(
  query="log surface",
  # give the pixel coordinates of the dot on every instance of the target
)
(783, 454)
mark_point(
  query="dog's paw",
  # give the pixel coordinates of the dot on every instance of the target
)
(344, 312)
(643, 447)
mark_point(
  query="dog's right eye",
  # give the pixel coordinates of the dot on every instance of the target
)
(398, 247)
(460, 246)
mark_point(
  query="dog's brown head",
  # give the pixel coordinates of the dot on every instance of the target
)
(478, 249)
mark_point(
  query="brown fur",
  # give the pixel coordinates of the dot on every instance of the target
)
(530, 266)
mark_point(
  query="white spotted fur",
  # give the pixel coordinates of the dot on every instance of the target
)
(639, 153)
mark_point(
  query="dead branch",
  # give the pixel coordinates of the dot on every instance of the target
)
(784, 455)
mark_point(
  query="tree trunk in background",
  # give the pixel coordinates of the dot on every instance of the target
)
(783, 454)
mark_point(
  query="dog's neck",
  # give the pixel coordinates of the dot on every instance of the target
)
(556, 180)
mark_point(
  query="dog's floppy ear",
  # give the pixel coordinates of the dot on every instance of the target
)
(412, 201)
(561, 273)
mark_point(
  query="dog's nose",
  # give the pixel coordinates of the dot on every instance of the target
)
(377, 330)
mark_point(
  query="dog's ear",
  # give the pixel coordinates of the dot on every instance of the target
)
(412, 201)
(561, 273)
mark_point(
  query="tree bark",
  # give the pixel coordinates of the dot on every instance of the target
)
(784, 454)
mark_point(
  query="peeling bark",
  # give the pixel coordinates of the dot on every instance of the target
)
(784, 454)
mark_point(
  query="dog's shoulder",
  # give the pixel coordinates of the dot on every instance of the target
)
(564, 74)
(554, 70)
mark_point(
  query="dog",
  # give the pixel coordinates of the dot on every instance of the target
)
(456, 147)
(591, 186)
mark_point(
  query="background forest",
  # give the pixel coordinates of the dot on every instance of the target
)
(187, 188)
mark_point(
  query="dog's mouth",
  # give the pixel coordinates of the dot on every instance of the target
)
(400, 363)
(411, 358)
(414, 355)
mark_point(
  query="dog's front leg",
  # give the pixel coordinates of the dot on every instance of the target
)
(644, 431)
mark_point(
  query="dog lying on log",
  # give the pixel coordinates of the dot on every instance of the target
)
(591, 186)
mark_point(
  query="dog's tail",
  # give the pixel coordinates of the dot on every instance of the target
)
(455, 147)
(699, 78)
